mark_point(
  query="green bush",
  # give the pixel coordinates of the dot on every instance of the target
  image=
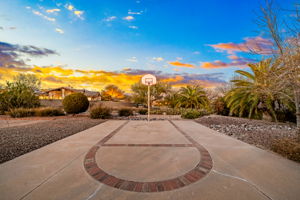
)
(168, 111)
(3, 106)
(288, 148)
(100, 112)
(40, 112)
(125, 112)
(143, 111)
(286, 116)
(220, 107)
(75, 103)
(190, 114)
(43, 112)
(21, 112)
(173, 111)
(17, 95)
(157, 112)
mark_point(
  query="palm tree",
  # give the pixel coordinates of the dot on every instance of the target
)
(158, 92)
(192, 97)
(171, 99)
(253, 93)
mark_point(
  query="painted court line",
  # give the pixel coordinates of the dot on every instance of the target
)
(199, 171)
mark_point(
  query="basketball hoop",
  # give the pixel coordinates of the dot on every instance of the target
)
(149, 80)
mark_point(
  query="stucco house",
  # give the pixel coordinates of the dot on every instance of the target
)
(62, 92)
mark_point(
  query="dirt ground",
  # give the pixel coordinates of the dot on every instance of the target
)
(256, 132)
(20, 136)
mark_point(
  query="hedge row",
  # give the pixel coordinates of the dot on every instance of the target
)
(38, 112)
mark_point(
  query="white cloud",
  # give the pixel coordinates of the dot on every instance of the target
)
(111, 18)
(59, 30)
(158, 59)
(78, 13)
(50, 19)
(196, 52)
(134, 13)
(129, 18)
(179, 58)
(133, 27)
(70, 7)
(43, 16)
(53, 10)
(8, 28)
(132, 59)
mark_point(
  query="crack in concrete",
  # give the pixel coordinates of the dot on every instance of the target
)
(244, 180)
(231, 176)
(54, 174)
(95, 192)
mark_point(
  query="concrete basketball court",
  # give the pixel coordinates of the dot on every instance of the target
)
(176, 160)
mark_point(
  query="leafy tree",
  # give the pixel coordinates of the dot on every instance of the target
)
(30, 80)
(16, 95)
(158, 92)
(112, 92)
(286, 51)
(192, 97)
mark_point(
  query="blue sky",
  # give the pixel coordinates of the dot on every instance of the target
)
(171, 36)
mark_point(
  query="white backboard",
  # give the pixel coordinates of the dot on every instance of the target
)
(149, 79)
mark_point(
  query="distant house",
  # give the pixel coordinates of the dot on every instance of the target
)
(62, 92)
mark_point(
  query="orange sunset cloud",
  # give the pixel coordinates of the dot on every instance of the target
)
(96, 80)
(180, 64)
(254, 44)
(213, 65)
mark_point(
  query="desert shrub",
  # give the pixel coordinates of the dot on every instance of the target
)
(288, 148)
(190, 114)
(17, 95)
(168, 111)
(3, 107)
(100, 112)
(173, 111)
(143, 111)
(286, 116)
(75, 103)
(157, 112)
(125, 112)
(220, 107)
(42, 112)
(21, 112)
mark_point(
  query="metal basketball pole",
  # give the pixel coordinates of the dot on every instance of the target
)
(148, 102)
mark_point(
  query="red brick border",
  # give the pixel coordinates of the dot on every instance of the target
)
(202, 168)
(147, 145)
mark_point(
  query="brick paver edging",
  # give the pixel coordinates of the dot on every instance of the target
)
(199, 171)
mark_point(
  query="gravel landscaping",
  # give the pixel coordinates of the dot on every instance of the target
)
(18, 140)
(256, 132)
